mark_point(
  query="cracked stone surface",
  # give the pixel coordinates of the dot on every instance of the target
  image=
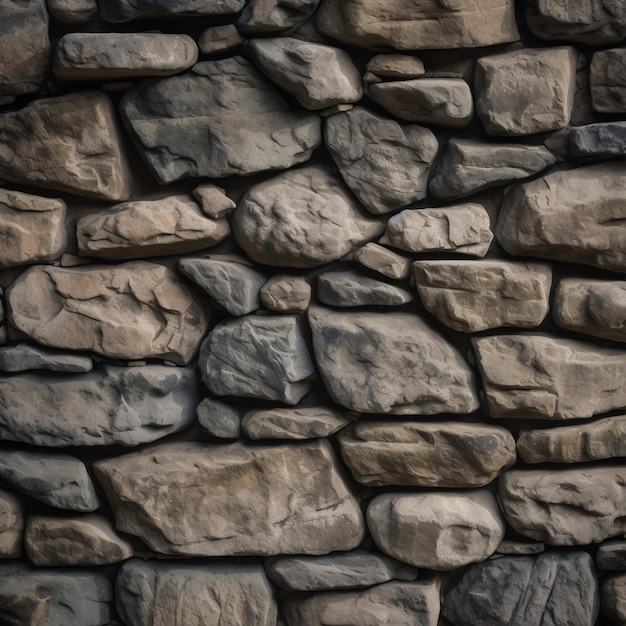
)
(606, 80)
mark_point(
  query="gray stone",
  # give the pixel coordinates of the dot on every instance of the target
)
(218, 419)
(442, 454)
(436, 530)
(418, 25)
(157, 593)
(217, 500)
(468, 166)
(606, 79)
(58, 480)
(550, 589)
(110, 405)
(526, 91)
(611, 555)
(462, 228)
(399, 66)
(231, 285)
(545, 377)
(213, 200)
(11, 526)
(262, 17)
(219, 119)
(132, 311)
(613, 598)
(303, 423)
(22, 357)
(72, 11)
(385, 164)
(567, 507)
(444, 101)
(301, 218)
(520, 547)
(470, 296)
(605, 139)
(220, 40)
(383, 261)
(390, 363)
(67, 541)
(284, 293)
(124, 10)
(69, 143)
(350, 288)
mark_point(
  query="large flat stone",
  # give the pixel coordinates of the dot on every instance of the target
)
(606, 79)
(124, 10)
(11, 525)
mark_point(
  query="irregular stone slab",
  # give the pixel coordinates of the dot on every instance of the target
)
(552, 588)
(132, 311)
(157, 593)
(124, 10)
(69, 143)
(539, 376)
(442, 454)
(606, 79)
(470, 296)
(58, 480)
(110, 405)
(218, 419)
(401, 66)
(463, 228)
(613, 598)
(611, 555)
(305, 423)
(383, 261)
(61, 541)
(390, 363)
(439, 531)
(219, 119)
(72, 11)
(358, 568)
(11, 525)
(232, 286)
(468, 166)
(257, 356)
(605, 139)
(567, 507)
(22, 357)
(284, 292)
(538, 218)
(262, 17)
(349, 288)
(301, 218)
(445, 101)
(385, 164)
(220, 40)
(418, 25)
(213, 200)
(526, 91)
(239, 500)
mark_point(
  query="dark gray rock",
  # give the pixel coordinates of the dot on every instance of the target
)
(611, 555)
(604, 139)
(606, 79)
(22, 357)
(124, 10)
(262, 17)
(349, 288)
(295, 424)
(220, 40)
(218, 419)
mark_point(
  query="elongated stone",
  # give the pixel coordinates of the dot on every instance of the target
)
(22, 357)
(124, 10)
(601, 140)
(220, 39)
(383, 261)
(611, 555)
(304, 423)
(218, 419)
(262, 17)
(606, 79)
(349, 288)
(72, 11)
(11, 525)
(400, 66)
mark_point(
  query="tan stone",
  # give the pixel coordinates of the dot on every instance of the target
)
(295, 424)
(383, 261)
(613, 598)
(284, 293)
(213, 200)
(400, 66)
(11, 525)
(220, 39)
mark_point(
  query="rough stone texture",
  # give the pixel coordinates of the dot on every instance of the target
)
(462, 228)
(132, 311)
(301, 218)
(177, 593)
(69, 143)
(261, 17)
(124, 10)
(440, 454)
(470, 296)
(67, 541)
(213, 200)
(72, 11)
(218, 419)
(400, 66)
(238, 500)
(220, 40)
(383, 261)
(385, 164)
(526, 91)
(436, 530)
(257, 357)
(304, 423)
(350, 288)
(606, 80)
(11, 526)
(545, 377)
(468, 166)
(573, 215)
(550, 590)
(613, 598)
(605, 139)
(418, 25)
(58, 480)
(284, 292)
(566, 507)
(390, 363)
(21, 357)
(611, 555)
(110, 405)
(445, 101)
(520, 547)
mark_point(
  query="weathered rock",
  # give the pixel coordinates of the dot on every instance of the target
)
(69, 143)
(400, 66)
(218, 419)
(551, 589)
(11, 526)
(124, 10)
(545, 377)
(611, 555)
(72, 11)
(301, 218)
(221, 118)
(385, 164)
(262, 17)
(349, 288)
(390, 363)
(573, 215)
(238, 500)
(605, 139)
(468, 166)
(606, 79)
(445, 101)
(132, 311)
(58, 480)
(220, 40)
(213, 200)
(109, 405)
(567, 507)
(462, 228)
(304, 423)
(418, 25)
(383, 261)
(22, 357)
(613, 598)
(157, 593)
(231, 285)
(471, 296)
(284, 292)
(442, 454)
(520, 547)
(526, 91)
(437, 530)
(67, 541)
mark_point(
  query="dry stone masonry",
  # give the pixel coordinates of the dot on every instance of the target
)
(312, 312)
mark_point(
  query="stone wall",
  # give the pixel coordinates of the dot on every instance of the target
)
(314, 312)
